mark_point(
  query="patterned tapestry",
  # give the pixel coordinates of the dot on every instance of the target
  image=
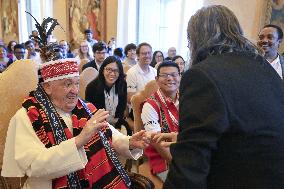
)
(275, 15)
(84, 14)
(9, 20)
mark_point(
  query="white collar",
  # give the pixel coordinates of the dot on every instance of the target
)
(276, 60)
(141, 71)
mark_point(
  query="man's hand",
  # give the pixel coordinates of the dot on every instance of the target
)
(92, 126)
(166, 139)
(139, 140)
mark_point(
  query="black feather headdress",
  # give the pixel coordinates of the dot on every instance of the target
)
(48, 51)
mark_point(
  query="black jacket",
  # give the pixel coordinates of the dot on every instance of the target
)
(231, 126)
(95, 94)
(90, 64)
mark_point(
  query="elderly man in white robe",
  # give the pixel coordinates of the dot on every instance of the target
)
(59, 141)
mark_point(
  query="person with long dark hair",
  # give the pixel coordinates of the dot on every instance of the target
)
(157, 58)
(180, 62)
(130, 55)
(231, 132)
(109, 91)
(4, 60)
(10, 49)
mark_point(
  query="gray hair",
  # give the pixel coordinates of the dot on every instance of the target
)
(215, 30)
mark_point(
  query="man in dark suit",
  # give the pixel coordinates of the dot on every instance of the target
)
(269, 40)
(99, 50)
(231, 111)
(64, 49)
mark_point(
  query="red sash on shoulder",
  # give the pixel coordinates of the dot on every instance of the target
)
(168, 119)
(99, 171)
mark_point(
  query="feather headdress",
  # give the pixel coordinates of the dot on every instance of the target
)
(53, 66)
(48, 50)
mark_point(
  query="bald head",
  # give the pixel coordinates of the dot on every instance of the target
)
(172, 52)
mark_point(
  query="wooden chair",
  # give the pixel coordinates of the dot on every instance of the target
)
(16, 82)
(126, 68)
(144, 169)
(137, 104)
(88, 75)
(3, 183)
(82, 63)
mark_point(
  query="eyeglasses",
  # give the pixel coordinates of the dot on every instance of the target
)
(165, 75)
(19, 52)
(180, 63)
(146, 53)
(110, 70)
(100, 52)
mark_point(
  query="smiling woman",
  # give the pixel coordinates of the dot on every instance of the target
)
(108, 91)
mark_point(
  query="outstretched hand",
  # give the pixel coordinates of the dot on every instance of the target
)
(139, 140)
(165, 139)
(92, 126)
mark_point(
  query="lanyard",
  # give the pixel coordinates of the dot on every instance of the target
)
(110, 152)
(167, 109)
(57, 130)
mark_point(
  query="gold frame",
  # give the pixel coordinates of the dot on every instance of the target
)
(9, 29)
(99, 34)
(274, 15)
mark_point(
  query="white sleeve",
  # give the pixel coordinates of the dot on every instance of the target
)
(120, 143)
(27, 154)
(131, 81)
(150, 118)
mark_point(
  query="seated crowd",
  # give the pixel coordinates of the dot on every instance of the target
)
(123, 73)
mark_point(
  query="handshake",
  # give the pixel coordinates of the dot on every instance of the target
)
(142, 139)
(165, 139)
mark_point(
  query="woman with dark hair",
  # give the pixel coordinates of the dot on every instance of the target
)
(130, 55)
(118, 52)
(180, 62)
(157, 58)
(4, 60)
(109, 91)
(10, 50)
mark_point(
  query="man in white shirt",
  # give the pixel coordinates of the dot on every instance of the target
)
(141, 73)
(31, 52)
(269, 40)
(89, 37)
(160, 114)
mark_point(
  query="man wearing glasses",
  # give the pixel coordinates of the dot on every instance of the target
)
(99, 50)
(19, 51)
(141, 73)
(160, 114)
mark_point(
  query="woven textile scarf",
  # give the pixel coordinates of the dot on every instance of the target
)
(168, 120)
(99, 171)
